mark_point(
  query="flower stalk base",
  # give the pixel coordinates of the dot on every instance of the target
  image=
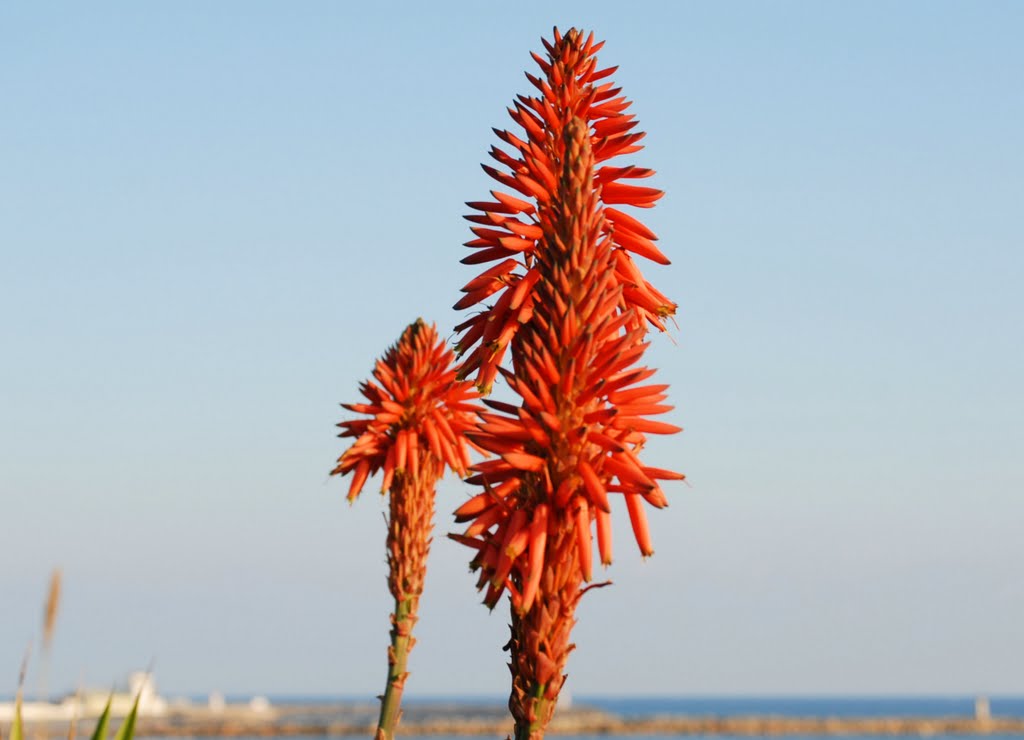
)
(540, 646)
(402, 621)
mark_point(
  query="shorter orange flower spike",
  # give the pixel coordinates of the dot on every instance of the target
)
(417, 412)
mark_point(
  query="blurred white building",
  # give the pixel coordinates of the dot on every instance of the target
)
(90, 703)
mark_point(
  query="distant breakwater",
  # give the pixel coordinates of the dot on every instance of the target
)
(736, 726)
(493, 721)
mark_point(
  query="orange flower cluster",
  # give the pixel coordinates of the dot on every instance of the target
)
(509, 230)
(575, 322)
(418, 414)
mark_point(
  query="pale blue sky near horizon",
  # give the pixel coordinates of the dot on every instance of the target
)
(213, 217)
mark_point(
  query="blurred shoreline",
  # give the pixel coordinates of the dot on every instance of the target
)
(483, 718)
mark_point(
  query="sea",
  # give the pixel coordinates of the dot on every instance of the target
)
(816, 706)
(728, 706)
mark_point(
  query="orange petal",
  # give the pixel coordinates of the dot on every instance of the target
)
(474, 507)
(583, 539)
(638, 518)
(524, 461)
(538, 542)
(604, 536)
(594, 486)
(358, 479)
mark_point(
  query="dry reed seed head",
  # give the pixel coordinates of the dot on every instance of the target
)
(51, 608)
(509, 229)
(582, 420)
(414, 417)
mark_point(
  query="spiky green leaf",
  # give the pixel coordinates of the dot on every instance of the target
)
(100, 733)
(17, 731)
(127, 728)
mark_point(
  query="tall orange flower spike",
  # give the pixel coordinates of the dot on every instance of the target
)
(417, 413)
(508, 230)
(572, 445)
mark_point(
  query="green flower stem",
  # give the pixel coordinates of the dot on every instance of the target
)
(534, 730)
(402, 622)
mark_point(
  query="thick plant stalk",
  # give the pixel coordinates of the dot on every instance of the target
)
(574, 311)
(414, 422)
(540, 642)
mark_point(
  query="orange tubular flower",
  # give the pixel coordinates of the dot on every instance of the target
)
(417, 415)
(575, 321)
(509, 229)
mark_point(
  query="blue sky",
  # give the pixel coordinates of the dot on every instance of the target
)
(213, 217)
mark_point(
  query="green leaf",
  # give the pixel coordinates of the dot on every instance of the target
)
(127, 728)
(17, 731)
(100, 733)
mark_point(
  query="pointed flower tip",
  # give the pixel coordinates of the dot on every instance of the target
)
(571, 97)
